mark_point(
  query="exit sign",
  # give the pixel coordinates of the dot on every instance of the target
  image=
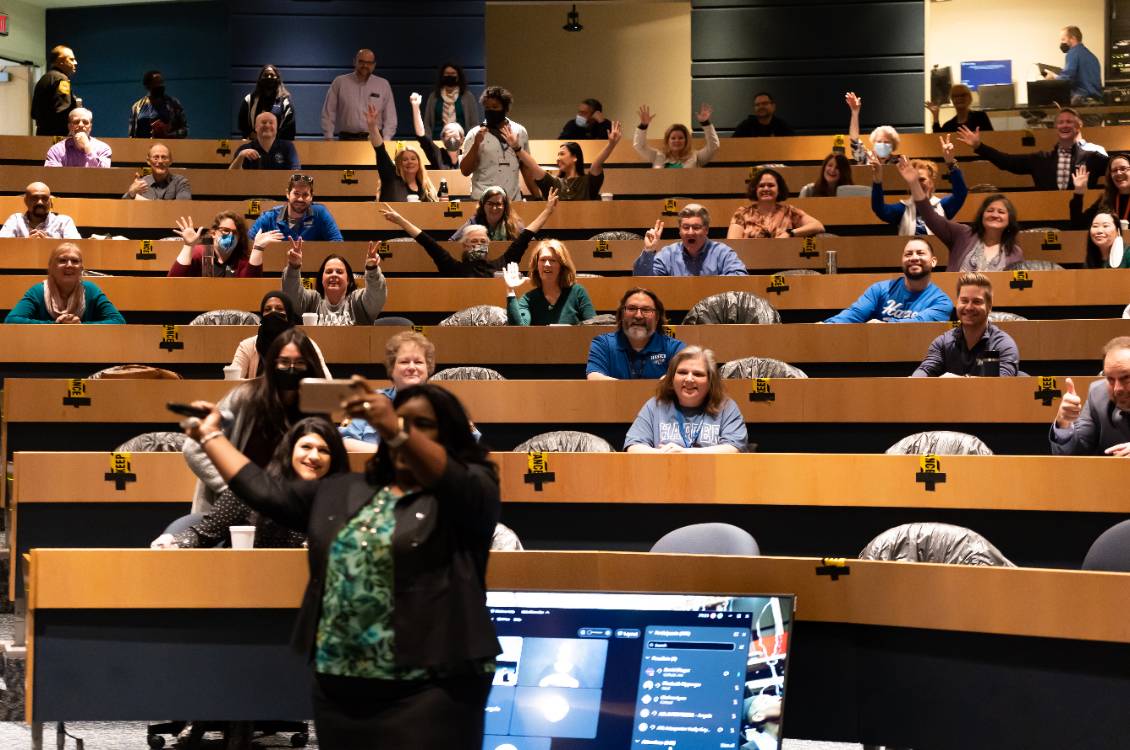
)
(3, 23)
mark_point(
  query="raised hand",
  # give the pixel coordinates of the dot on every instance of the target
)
(934, 109)
(414, 99)
(509, 136)
(391, 214)
(373, 118)
(512, 275)
(1070, 406)
(1080, 177)
(947, 148)
(294, 254)
(263, 238)
(651, 237)
(372, 255)
(854, 102)
(704, 112)
(907, 170)
(551, 200)
(645, 115)
(971, 138)
(616, 133)
(187, 231)
(876, 167)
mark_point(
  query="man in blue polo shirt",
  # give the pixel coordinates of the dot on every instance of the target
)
(693, 255)
(914, 298)
(266, 150)
(298, 218)
(639, 349)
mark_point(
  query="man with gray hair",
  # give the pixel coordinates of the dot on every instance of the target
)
(694, 255)
(80, 148)
(1103, 425)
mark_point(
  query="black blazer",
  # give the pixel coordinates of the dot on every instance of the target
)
(1042, 165)
(440, 548)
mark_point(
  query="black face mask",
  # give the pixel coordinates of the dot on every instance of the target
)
(494, 118)
(1064, 47)
(450, 80)
(157, 92)
(269, 329)
(288, 379)
(269, 85)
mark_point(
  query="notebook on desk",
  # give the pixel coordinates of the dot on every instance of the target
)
(618, 670)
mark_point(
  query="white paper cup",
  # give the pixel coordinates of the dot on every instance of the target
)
(242, 537)
(309, 319)
(606, 196)
(413, 198)
(233, 372)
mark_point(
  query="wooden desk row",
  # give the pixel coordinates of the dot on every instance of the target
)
(361, 184)
(1027, 483)
(1039, 341)
(408, 258)
(636, 215)
(408, 296)
(805, 148)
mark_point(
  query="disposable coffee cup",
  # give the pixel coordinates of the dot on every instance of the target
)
(309, 319)
(242, 537)
(413, 198)
(232, 372)
(606, 196)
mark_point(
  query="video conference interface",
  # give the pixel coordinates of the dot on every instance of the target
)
(606, 670)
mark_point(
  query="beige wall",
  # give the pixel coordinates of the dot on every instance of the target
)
(1024, 31)
(25, 41)
(629, 53)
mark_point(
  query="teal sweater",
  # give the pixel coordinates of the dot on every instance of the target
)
(33, 308)
(533, 309)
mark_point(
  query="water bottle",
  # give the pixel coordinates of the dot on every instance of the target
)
(208, 261)
(442, 190)
(833, 265)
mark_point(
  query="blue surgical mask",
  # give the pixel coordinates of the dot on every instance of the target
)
(581, 121)
(227, 242)
(883, 150)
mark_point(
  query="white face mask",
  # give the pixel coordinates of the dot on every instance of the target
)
(883, 150)
(581, 121)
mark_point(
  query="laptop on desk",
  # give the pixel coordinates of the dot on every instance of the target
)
(619, 670)
(997, 96)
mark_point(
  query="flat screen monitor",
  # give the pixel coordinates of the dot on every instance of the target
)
(978, 72)
(618, 670)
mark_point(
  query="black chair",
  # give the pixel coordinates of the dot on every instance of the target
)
(708, 539)
(1111, 551)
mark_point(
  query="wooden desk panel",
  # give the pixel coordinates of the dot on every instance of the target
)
(1032, 206)
(1020, 483)
(1016, 601)
(876, 251)
(817, 400)
(413, 295)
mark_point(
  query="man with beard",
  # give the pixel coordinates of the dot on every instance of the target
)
(39, 220)
(639, 349)
(955, 352)
(1103, 427)
(298, 218)
(53, 98)
(912, 299)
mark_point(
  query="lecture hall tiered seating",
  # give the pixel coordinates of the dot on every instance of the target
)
(818, 484)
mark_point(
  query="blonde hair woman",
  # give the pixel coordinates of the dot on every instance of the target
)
(556, 297)
(400, 179)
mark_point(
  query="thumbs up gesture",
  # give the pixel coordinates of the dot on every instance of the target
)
(1070, 406)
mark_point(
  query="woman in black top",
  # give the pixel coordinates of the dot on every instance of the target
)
(269, 95)
(394, 617)
(961, 97)
(476, 242)
(403, 178)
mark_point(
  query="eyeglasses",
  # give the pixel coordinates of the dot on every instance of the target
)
(496, 204)
(299, 365)
(302, 178)
(632, 310)
(1119, 170)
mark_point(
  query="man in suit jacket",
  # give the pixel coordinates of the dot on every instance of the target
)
(1050, 170)
(1103, 427)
